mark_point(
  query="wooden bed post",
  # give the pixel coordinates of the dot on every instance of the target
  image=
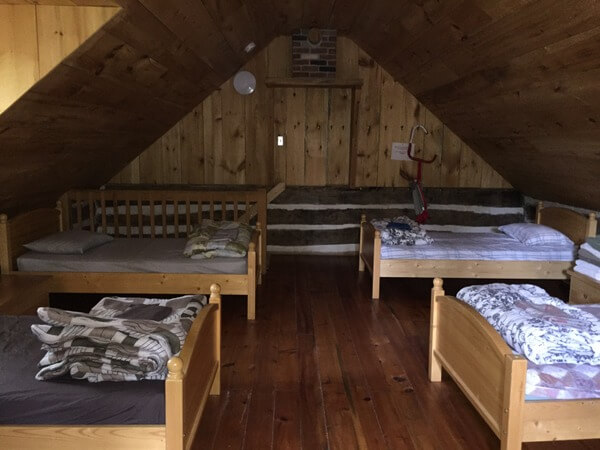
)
(361, 263)
(592, 225)
(435, 368)
(538, 212)
(174, 392)
(215, 297)
(515, 371)
(61, 223)
(252, 280)
(65, 216)
(262, 219)
(5, 246)
(376, 264)
(260, 264)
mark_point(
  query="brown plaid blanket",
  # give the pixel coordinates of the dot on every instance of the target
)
(120, 339)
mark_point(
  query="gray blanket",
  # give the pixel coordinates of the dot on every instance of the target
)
(121, 339)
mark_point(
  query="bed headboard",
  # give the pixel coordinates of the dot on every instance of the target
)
(161, 212)
(576, 226)
(21, 229)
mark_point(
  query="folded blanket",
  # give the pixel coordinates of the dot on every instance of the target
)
(212, 239)
(594, 251)
(397, 234)
(584, 267)
(588, 257)
(111, 343)
(594, 242)
(542, 328)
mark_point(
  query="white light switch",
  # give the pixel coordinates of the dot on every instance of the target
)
(400, 151)
(279, 141)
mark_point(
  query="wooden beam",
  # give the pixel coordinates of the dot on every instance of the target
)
(313, 82)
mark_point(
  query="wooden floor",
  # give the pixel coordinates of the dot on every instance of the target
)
(323, 366)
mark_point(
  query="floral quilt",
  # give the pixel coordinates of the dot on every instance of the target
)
(542, 328)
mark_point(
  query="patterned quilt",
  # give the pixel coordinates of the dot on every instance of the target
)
(401, 231)
(120, 339)
(540, 327)
(212, 239)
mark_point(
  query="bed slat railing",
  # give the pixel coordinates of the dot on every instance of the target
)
(160, 213)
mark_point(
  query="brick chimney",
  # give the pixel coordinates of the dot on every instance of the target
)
(314, 53)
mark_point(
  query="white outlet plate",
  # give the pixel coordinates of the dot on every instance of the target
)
(279, 141)
(400, 151)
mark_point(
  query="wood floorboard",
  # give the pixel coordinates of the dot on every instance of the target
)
(325, 367)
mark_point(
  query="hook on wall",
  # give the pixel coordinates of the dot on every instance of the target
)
(410, 145)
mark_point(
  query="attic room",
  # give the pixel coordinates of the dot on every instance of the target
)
(299, 224)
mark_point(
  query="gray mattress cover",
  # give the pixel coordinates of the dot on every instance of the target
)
(132, 255)
(24, 400)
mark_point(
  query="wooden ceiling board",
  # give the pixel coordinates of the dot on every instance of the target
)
(192, 24)
(538, 172)
(509, 78)
(423, 45)
(345, 13)
(317, 13)
(262, 14)
(236, 24)
(116, 94)
(517, 34)
(111, 3)
(287, 15)
(139, 28)
(515, 79)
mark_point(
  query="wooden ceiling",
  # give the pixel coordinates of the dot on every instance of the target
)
(516, 79)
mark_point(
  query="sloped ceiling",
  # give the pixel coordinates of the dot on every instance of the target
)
(516, 79)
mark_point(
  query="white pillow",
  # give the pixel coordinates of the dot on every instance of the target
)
(534, 234)
(69, 242)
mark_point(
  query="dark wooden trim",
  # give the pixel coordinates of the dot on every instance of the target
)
(314, 82)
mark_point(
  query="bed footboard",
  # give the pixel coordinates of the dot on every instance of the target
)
(193, 375)
(466, 346)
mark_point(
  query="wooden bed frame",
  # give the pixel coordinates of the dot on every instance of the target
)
(193, 375)
(80, 210)
(576, 226)
(466, 346)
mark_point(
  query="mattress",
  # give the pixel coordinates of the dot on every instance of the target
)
(132, 255)
(26, 401)
(478, 246)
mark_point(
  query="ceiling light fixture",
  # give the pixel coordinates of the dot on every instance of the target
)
(244, 82)
(249, 47)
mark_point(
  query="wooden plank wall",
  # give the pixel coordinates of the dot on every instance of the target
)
(35, 38)
(230, 139)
